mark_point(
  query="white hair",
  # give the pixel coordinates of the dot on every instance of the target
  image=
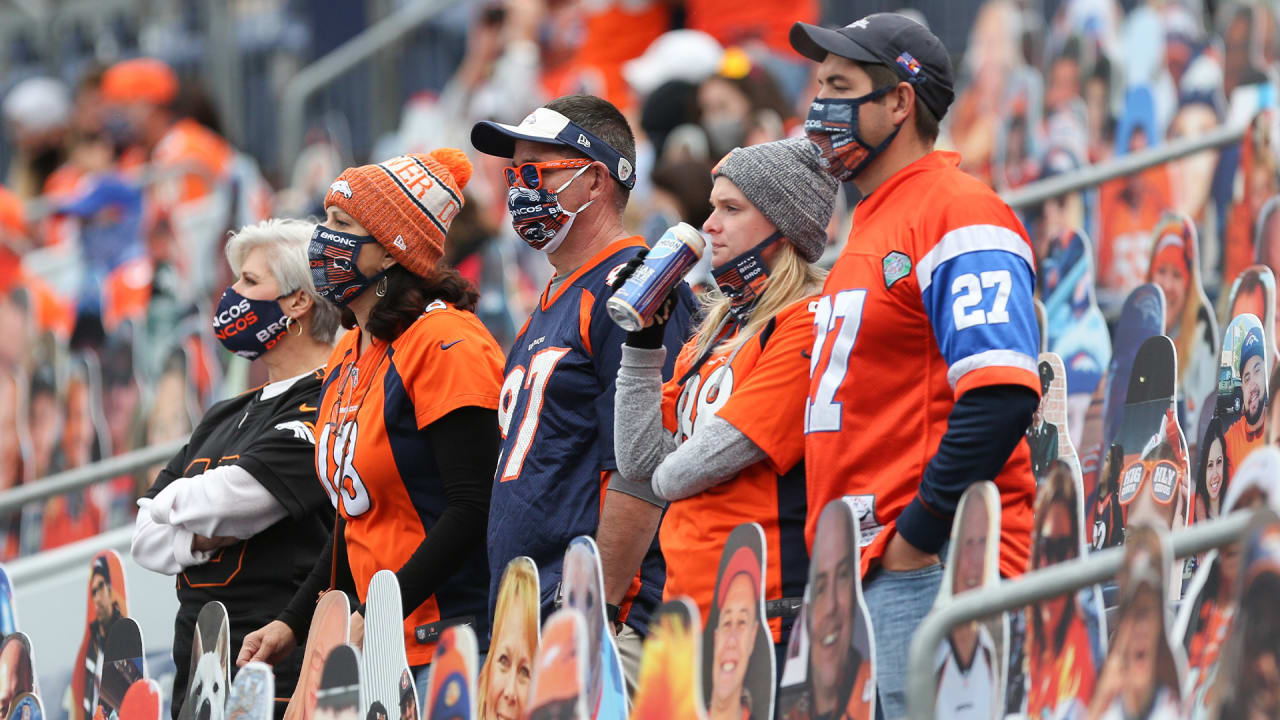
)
(284, 242)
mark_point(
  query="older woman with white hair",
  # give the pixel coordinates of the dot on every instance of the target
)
(237, 515)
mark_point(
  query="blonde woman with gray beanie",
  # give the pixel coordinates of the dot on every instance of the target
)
(723, 440)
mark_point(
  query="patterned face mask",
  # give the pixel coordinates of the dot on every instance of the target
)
(248, 327)
(332, 256)
(832, 126)
(744, 278)
(538, 217)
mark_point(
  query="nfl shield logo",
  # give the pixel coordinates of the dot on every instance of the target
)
(896, 266)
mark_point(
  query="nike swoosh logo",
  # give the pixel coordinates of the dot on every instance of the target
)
(306, 408)
(443, 346)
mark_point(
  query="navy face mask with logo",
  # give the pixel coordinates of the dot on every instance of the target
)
(248, 327)
(743, 278)
(832, 126)
(332, 256)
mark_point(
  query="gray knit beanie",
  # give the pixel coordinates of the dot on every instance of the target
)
(785, 183)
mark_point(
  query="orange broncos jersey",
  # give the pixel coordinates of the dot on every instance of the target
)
(770, 371)
(931, 297)
(377, 466)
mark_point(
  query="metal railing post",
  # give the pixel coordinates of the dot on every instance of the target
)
(369, 42)
(1046, 583)
(1037, 192)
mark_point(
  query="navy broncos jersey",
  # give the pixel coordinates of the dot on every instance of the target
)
(556, 414)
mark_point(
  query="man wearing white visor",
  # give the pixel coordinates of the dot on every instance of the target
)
(572, 169)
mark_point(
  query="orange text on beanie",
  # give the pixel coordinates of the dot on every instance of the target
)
(406, 203)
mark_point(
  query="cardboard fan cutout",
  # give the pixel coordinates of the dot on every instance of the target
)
(8, 610)
(451, 686)
(503, 684)
(582, 588)
(1254, 292)
(560, 669)
(1049, 435)
(830, 667)
(738, 656)
(1077, 331)
(340, 695)
(1247, 685)
(108, 602)
(329, 628)
(210, 681)
(29, 707)
(1188, 317)
(1141, 318)
(142, 701)
(1065, 636)
(970, 665)
(253, 693)
(1148, 459)
(383, 658)
(1208, 613)
(1142, 676)
(1242, 387)
(670, 681)
(123, 664)
(19, 664)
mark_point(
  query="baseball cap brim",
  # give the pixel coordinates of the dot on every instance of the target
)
(543, 125)
(548, 126)
(814, 42)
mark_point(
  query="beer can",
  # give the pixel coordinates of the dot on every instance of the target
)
(634, 304)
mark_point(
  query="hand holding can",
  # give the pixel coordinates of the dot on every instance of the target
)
(635, 303)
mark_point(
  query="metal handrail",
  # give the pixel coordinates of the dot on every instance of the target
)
(366, 44)
(1037, 192)
(1049, 582)
(33, 568)
(82, 477)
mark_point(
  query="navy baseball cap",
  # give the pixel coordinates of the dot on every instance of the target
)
(890, 39)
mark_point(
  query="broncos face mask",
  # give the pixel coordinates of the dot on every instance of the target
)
(537, 215)
(332, 256)
(832, 126)
(744, 278)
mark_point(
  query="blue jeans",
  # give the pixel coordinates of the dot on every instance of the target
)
(898, 602)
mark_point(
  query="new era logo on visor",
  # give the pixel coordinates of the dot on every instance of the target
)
(583, 141)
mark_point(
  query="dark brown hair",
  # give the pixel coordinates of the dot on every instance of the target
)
(884, 76)
(408, 295)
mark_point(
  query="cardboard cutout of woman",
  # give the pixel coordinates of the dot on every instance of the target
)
(1065, 641)
(1141, 677)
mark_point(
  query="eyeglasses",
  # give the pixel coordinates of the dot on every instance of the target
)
(530, 174)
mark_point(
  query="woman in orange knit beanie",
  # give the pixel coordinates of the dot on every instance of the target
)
(406, 431)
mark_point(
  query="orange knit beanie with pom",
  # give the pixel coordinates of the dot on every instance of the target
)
(406, 203)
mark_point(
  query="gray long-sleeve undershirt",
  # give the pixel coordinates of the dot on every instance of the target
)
(646, 451)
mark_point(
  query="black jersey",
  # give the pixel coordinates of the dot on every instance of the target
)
(274, 441)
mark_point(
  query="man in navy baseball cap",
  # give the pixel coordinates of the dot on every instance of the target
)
(927, 243)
